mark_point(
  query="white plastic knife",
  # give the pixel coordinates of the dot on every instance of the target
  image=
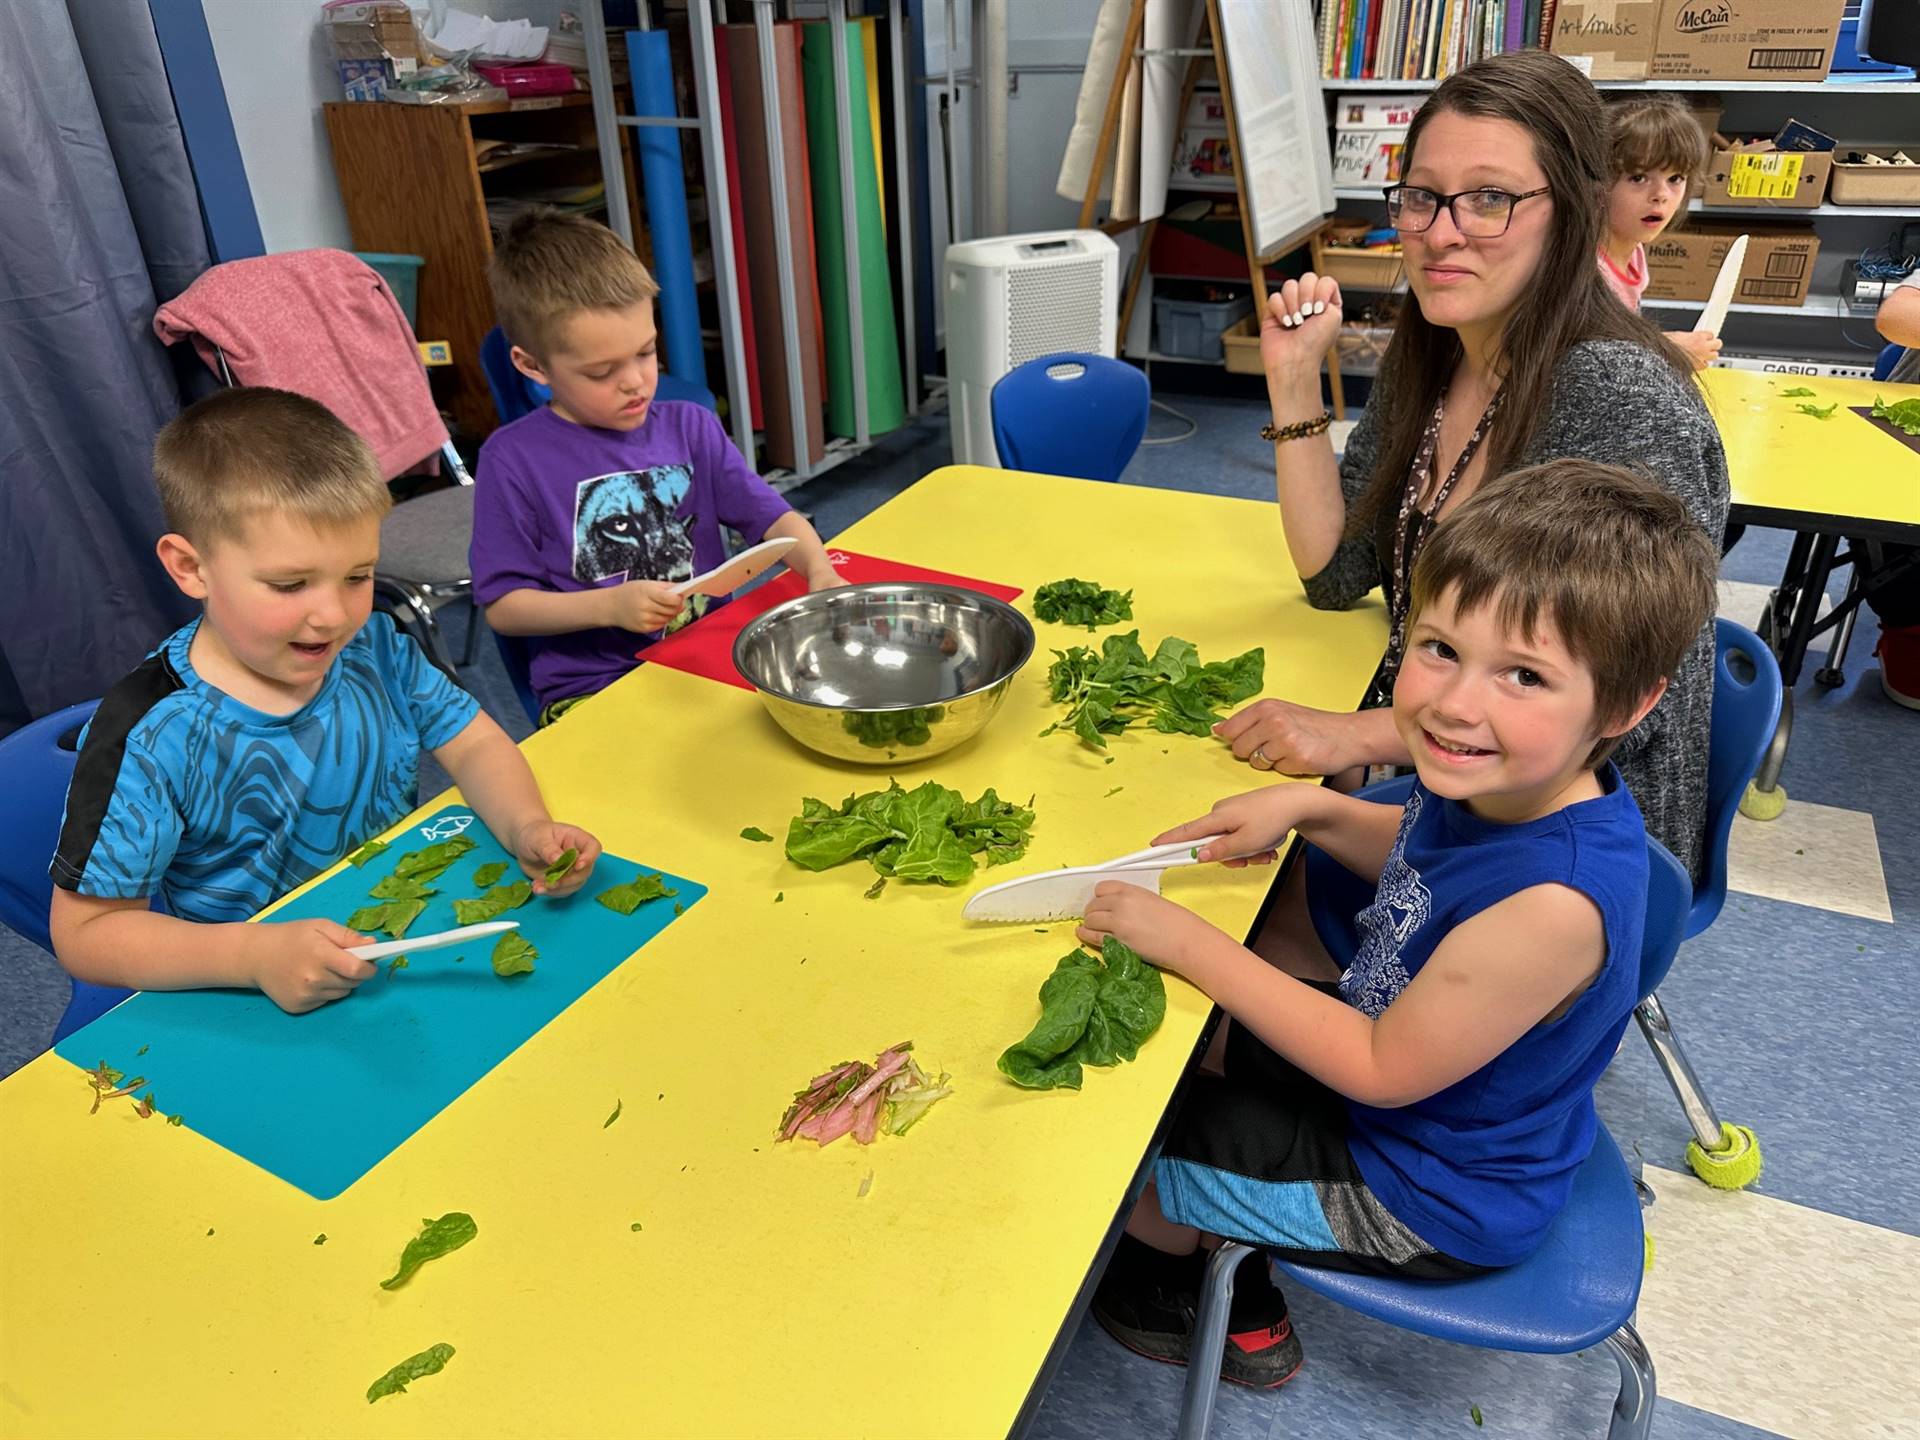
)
(1064, 894)
(727, 578)
(435, 941)
(1715, 315)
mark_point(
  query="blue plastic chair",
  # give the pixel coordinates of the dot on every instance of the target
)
(1070, 414)
(515, 395)
(1577, 1290)
(1888, 358)
(36, 763)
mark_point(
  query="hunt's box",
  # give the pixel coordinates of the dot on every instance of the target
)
(1682, 264)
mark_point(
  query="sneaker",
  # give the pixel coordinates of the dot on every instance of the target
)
(1154, 1316)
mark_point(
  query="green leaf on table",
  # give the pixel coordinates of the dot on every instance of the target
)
(495, 903)
(320, 1239)
(1094, 1010)
(1113, 792)
(430, 1361)
(1796, 392)
(426, 863)
(396, 887)
(489, 874)
(929, 833)
(366, 852)
(614, 1116)
(627, 898)
(1171, 690)
(780, 897)
(1817, 412)
(399, 962)
(562, 867)
(1081, 602)
(636, 1226)
(1902, 414)
(436, 1238)
(513, 955)
(176, 1119)
(756, 834)
(391, 918)
(872, 891)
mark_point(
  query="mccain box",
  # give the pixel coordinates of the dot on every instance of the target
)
(1682, 264)
(1746, 39)
(1607, 39)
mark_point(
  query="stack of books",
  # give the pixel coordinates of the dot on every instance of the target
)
(1424, 39)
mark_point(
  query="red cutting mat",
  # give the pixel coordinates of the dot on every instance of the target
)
(706, 646)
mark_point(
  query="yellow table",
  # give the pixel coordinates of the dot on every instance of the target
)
(1842, 478)
(152, 1283)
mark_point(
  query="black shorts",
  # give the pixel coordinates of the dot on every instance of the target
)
(1260, 1156)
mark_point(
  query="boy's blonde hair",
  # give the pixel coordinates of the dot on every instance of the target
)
(240, 452)
(1611, 561)
(550, 266)
(1657, 134)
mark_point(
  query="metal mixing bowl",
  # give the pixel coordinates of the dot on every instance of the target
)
(885, 674)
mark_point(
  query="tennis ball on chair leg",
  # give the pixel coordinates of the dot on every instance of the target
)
(1763, 804)
(1734, 1166)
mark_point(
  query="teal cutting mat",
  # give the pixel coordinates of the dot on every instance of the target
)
(383, 1062)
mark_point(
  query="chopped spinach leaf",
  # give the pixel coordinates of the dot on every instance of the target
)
(430, 1361)
(513, 955)
(627, 898)
(1094, 1010)
(436, 1238)
(1171, 690)
(495, 903)
(366, 852)
(562, 867)
(395, 887)
(755, 834)
(393, 917)
(426, 863)
(928, 833)
(1081, 602)
(489, 874)
(614, 1116)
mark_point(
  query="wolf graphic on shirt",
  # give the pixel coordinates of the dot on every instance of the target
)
(1400, 907)
(627, 526)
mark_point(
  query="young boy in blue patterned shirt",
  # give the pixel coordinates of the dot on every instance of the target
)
(262, 742)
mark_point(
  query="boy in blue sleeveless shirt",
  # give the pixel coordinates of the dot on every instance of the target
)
(262, 742)
(1423, 1112)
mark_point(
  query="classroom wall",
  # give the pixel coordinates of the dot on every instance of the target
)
(277, 69)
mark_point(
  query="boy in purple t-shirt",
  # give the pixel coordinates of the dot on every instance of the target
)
(587, 512)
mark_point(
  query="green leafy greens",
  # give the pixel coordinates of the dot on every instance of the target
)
(1081, 602)
(427, 863)
(1171, 690)
(882, 729)
(366, 852)
(436, 1238)
(1094, 1010)
(513, 955)
(395, 887)
(489, 874)
(428, 1362)
(562, 867)
(756, 834)
(927, 833)
(1902, 414)
(627, 898)
(1818, 412)
(496, 902)
(1798, 392)
(394, 916)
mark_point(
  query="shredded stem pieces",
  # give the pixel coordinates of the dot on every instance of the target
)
(859, 1099)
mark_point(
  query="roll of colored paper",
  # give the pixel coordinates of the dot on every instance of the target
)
(886, 403)
(663, 177)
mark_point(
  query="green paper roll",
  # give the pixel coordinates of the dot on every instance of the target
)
(886, 403)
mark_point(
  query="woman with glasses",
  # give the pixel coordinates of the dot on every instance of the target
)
(1510, 351)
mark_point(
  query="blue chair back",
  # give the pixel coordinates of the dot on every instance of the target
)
(1086, 420)
(1746, 710)
(515, 395)
(1888, 358)
(36, 763)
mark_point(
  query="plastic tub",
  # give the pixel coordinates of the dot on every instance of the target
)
(1191, 329)
(402, 274)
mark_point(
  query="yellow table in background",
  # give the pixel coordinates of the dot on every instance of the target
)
(151, 1283)
(1841, 478)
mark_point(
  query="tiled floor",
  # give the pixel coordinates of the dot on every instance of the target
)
(1788, 1310)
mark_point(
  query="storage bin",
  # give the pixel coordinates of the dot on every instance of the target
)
(402, 274)
(1191, 329)
(1875, 184)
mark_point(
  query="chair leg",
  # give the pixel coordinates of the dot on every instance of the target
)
(408, 597)
(1209, 1341)
(1680, 1074)
(473, 634)
(1633, 1410)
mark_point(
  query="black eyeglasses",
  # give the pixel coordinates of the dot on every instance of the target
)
(1480, 214)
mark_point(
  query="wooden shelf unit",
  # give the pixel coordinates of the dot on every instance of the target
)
(412, 185)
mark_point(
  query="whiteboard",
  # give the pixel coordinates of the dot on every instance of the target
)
(1281, 149)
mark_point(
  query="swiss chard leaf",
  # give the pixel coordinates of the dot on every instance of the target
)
(430, 1361)
(513, 955)
(393, 917)
(366, 852)
(489, 874)
(627, 898)
(1094, 1010)
(394, 887)
(436, 1238)
(1081, 602)
(1797, 391)
(496, 902)
(929, 833)
(756, 834)
(562, 867)
(426, 863)
(1902, 414)
(1819, 412)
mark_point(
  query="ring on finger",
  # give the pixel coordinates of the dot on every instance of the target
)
(1259, 759)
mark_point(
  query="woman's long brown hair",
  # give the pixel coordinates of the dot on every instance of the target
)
(1566, 302)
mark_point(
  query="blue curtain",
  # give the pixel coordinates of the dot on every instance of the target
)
(99, 224)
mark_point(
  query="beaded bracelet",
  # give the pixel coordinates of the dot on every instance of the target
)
(1299, 430)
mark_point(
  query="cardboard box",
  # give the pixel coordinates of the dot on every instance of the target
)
(1682, 264)
(1607, 39)
(1765, 177)
(1856, 183)
(1369, 133)
(1769, 40)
